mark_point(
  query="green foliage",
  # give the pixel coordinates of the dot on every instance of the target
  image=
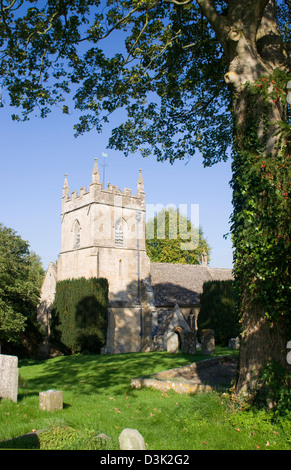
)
(262, 206)
(79, 315)
(261, 223)
(171, 238)
(64, 437)
(21, 275)
(49, 50)
(274, 390)
(218, 310)
(167, 71)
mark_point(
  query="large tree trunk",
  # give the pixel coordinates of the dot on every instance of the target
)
(261, 344)
(253, 48)
(263, 340)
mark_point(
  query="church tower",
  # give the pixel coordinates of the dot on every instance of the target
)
(103, 235)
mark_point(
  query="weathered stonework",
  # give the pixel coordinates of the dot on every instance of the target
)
(103, 235)
(44, 308)
(189, 342)
(131, 439)
(207, 342)
(51, 400)
(8, 377)
(191, 378)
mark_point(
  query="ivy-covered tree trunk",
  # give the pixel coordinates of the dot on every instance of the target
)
(257, 72)
(261, 225)
(261, 179)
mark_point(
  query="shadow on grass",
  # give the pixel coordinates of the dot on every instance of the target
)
(93, 374)
(27, 441)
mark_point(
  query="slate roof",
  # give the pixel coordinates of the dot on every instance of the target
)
(182, 283)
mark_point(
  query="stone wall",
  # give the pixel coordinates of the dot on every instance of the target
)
(48, 292)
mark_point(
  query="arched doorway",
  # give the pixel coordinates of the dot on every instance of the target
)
(178, 331)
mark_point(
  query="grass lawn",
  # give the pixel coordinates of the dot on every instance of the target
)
(98, 399)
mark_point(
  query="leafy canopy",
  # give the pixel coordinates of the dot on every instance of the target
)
(167, 74)
(172, 238)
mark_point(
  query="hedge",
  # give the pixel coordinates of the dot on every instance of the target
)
(79, 315)
(218, 310)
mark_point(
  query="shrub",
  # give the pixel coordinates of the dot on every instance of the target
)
(218, 310)
(21, 275)
(79, 315)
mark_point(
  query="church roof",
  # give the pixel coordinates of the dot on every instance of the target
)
(182, 283)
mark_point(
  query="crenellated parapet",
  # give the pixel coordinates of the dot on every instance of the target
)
(96, 194)
(103, 232)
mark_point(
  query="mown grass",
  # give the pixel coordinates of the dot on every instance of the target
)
(99, 404)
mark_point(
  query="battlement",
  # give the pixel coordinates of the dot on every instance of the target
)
(96, 194)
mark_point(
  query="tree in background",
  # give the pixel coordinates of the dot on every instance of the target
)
(192, 75)
(171, 238)
(21, 275)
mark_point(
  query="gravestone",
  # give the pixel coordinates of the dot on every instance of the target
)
(51, 400)
(233, 343)
(172, 342)
(189, 342)
(131, 439)
(8, 377)
(207, 342)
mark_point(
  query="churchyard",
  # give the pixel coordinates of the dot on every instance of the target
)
(98, 403)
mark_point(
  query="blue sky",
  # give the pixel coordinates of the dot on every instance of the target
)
(35, 156)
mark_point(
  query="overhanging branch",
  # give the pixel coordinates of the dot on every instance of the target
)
(249, 13)
(218, 22)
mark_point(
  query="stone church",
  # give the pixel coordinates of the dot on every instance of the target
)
(103, 235)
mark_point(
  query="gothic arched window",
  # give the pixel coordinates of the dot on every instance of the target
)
(76, 230)
(118, 232)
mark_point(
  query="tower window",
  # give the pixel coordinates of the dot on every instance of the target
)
(76, 234)
(118, 233)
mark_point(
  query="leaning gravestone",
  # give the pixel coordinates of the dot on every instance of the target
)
(8, 377)
(172, 342)
(131, 439)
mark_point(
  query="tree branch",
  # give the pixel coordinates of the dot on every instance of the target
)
(9, 6)
(269, 40)
(124, 19)
(179, 3)
(218, 22)
(249, 13)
